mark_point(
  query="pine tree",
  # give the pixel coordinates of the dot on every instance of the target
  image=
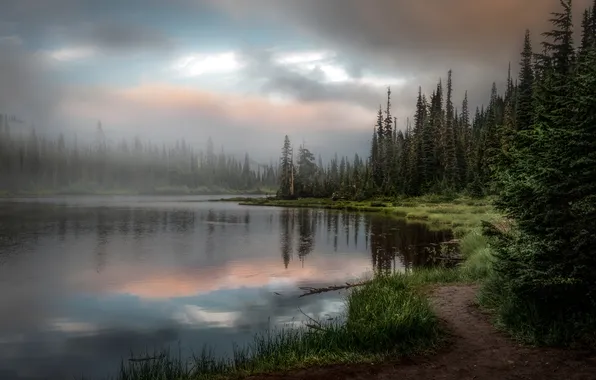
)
(524, 113)
(286, 168)
(465, 171)
(546, 267)
(388, 146)
(449, 149)
(379, 162)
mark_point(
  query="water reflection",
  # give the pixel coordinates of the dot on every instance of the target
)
(88, 281)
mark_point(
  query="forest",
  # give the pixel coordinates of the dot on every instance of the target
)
(444, 150)
(532, 149)
(35, 164)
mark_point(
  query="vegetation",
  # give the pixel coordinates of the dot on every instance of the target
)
(533, 148)
(38, 165)
(544, 282)
(444, 211)
(442, 153)
(387, 318)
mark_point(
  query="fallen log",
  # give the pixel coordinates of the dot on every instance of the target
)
(450, 242)
(147, 358)
(310, 290)
(449, 258)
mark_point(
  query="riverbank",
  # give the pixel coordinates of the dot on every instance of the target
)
(475, 350)
(389, 317)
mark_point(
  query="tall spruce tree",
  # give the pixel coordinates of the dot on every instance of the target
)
(546, 268)
(524, 113)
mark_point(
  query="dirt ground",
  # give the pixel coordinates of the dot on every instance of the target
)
(478, 351)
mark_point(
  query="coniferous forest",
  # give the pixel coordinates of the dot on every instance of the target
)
(30, 163)
(448, 148)
(532, 148)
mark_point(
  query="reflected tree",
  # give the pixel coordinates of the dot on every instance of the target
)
(306, 231)
(286, 217)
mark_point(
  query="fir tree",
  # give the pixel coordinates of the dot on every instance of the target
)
(286, 187)
(524, 113)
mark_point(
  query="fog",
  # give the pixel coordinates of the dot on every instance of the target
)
(245, 76)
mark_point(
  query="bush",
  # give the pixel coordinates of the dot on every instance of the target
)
(535, 295)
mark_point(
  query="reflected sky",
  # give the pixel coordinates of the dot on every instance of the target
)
(83, 281)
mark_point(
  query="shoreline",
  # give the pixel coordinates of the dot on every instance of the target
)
(456, 212)
(389, 309)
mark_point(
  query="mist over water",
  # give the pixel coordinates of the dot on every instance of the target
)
(85, 280)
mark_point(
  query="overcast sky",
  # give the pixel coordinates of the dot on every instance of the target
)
(247, 72)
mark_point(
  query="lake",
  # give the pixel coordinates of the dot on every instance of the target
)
(86, 280)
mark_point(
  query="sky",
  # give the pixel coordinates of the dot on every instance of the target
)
(248, 72)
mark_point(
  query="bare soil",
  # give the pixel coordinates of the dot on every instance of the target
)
(477, 351)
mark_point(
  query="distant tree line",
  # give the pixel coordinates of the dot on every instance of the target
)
(447, 148)
(444, 150)
(33, 163)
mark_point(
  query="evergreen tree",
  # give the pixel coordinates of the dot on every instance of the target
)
(524, 113)
(286, 169)
(449, 148)
(546, 266)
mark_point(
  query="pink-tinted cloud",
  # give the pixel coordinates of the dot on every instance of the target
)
(152, 105)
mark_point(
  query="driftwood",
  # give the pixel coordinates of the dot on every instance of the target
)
(450, 242)
(449, 258)
(310, 290)
(147, 358)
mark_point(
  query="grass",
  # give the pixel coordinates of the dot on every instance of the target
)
(451, 212)
(390, 317)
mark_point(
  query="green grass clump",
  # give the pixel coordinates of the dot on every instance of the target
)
(386, 318)
(388, 315)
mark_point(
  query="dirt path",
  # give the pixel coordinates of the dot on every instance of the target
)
(478, 352)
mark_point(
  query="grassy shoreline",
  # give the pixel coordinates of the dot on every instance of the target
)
(389, 309)
(463, 212)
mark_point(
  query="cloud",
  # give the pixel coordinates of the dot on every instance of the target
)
(69, 54)
(194, 65)
(89, 40)
(418, 39)
(120, 37)
(301, 76)
(27, 89)
(11, 40)
(134, 106)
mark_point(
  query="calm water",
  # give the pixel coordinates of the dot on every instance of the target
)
(85, 280)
